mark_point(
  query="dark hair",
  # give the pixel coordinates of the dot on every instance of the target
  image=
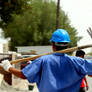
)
(80, 53)
(61, 45)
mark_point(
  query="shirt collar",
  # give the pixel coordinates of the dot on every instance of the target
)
(59, 54)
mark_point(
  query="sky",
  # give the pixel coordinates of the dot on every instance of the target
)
(80, 15)
(2, 40)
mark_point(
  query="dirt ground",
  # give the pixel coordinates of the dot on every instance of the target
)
(19, 85)
(24, 85)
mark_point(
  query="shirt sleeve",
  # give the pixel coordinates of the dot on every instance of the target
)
(33, 71)
(88, 67)
(83, 66)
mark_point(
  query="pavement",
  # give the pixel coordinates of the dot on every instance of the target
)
(89, 80)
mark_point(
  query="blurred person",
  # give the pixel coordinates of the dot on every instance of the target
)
(81, 53)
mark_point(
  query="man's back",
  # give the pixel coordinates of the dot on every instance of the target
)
(58, 73)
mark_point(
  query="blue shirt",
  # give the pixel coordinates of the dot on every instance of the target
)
(57, 72)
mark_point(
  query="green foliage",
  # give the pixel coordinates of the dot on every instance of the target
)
(8, 7)
(36, 24)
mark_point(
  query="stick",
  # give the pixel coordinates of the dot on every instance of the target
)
(89, 32)
(61, 51)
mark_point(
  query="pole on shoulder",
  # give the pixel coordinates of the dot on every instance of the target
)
(60, 51)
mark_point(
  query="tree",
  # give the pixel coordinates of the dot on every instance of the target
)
(58, 15)
(8, 7)
(35, 26)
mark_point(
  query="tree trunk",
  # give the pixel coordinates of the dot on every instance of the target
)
(58, 15)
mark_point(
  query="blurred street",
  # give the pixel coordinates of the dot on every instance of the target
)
(89, 79)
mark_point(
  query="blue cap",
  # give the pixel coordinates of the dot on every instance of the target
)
(60, 35)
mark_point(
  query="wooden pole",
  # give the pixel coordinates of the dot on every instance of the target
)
(61, 51)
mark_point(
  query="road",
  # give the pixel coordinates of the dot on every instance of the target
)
(89, 79)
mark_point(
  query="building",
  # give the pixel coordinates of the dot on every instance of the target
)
(36, 49)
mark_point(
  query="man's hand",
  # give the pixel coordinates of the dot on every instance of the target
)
(6, 65)
(87, 87)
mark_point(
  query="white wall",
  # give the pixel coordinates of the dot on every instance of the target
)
(1, 48)
(2, 41)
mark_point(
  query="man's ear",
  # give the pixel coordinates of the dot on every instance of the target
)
(53, 46)
(82, 56)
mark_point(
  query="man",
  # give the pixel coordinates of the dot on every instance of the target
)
(57, 72)
(81, 53)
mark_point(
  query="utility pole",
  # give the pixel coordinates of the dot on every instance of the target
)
(58, 15)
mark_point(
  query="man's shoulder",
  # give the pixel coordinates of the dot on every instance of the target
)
(46, 56)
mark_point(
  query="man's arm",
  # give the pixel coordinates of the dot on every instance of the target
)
(9, 68)
(86, 83)
(16, 72)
